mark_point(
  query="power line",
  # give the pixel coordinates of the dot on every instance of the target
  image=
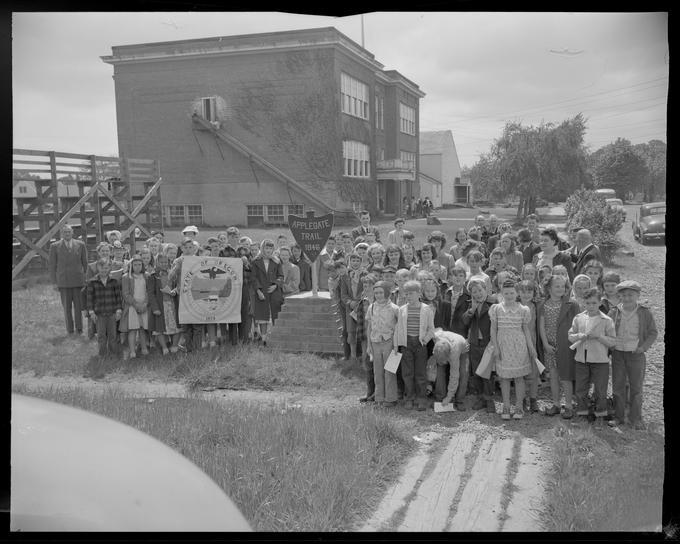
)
(496, 115)
(630, 124)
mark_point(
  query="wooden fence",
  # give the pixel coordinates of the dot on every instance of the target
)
(94, 194)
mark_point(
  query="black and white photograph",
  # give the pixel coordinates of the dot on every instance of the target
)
(389, 272)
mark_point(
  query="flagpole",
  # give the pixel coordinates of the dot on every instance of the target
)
(362, 30)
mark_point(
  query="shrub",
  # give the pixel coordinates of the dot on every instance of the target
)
(589, 210)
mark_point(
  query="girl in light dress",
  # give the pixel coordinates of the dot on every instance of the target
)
(134, 320)
(513, 346)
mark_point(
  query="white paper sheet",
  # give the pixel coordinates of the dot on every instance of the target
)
(392, 362)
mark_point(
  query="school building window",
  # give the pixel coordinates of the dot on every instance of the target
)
(408, 156)
(296, 209)
(407, 118)
(209, 108)
(379, 112)
(354, 96)
(355, 159)
(271, 214)
(183, 215)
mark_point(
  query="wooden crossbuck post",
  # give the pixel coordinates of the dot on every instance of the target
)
(50, 188)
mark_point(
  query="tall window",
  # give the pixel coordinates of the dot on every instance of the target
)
(379, 112)
(354, 96)
(355, 159)
(407, 118)
(194, 214)
(209, 108)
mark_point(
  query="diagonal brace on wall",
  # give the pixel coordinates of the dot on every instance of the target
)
(48, 235)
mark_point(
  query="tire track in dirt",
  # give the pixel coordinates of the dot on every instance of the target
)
(480, 481)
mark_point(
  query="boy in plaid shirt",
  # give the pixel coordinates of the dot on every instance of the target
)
(105, 303)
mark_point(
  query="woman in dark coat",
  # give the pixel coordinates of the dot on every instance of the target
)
(267, 279)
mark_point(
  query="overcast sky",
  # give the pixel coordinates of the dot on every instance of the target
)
(478, 70)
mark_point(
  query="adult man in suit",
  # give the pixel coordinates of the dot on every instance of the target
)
(68, 263)
(527, 246)
(584, 251)
(361, 230)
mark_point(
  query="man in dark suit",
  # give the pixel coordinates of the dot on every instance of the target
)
(68, 263)
(527, 246)
(584, 251)
(365, 218)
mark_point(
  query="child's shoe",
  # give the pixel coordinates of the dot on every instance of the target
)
(506, 413)
(554, 410)
(519, 414)
(165, 351)
(480, 404)
(490, 407)
(145, 351)
(174, 349)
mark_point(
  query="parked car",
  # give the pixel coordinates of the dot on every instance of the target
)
(616, 204)
(650, 222)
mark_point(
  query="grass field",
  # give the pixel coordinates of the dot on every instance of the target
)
(286, 470)
(601, 481)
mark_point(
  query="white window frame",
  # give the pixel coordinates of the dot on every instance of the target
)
(408, 156)
(280, 219)
(184, 218)
(407, 119)
(356, 159)
(353, 96)
(379, 112)
(209, 108)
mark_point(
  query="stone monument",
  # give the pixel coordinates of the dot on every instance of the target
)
(308, 321)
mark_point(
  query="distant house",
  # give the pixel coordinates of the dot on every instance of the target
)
(439, 163)
(251, 128)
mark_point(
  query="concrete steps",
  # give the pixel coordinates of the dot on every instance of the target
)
(307, 323)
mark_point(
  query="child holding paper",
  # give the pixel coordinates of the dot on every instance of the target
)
(593, 334)
(381, 321)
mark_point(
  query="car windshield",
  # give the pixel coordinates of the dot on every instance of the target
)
(657, 210)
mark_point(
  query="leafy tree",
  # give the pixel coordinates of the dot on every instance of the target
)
(548, 161)
(484, 178)
(619, 167)
(587, 209)
(654, 155)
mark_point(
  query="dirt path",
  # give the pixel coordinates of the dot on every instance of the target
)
(472, 477)
(482, 480)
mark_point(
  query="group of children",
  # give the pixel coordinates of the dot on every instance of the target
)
(133, 301)
(525, 316)
(492, 294)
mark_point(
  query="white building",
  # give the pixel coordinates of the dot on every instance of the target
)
(439, 162)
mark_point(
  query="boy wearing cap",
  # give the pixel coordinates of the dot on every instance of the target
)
(635, 333)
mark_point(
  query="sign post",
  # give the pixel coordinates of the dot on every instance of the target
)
(311, 233)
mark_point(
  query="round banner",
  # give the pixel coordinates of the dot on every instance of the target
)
(210, 290)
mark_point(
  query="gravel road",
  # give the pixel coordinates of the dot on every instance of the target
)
(648, 267)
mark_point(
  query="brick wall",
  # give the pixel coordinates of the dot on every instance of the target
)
(286, 100)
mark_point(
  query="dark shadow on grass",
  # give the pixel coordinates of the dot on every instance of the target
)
(349, 369)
